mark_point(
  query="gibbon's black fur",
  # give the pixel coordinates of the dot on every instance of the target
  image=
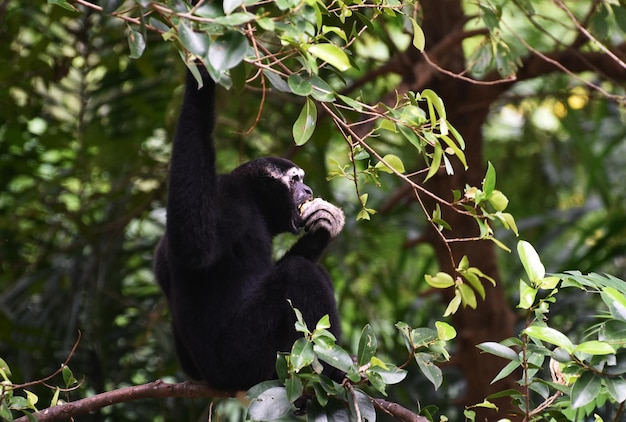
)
(227, 298)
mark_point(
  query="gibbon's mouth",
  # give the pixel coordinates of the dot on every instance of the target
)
(297, 222)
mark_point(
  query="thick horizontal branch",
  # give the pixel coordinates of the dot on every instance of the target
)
(155, 389)
(160, 389)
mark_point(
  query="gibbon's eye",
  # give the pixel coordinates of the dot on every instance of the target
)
(295, 178)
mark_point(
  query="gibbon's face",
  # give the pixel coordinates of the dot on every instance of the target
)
(299, 192)
(280, 191)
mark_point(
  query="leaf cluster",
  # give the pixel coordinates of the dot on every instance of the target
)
(585, 375)
(304, 384)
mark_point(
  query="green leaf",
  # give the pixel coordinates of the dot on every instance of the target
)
(498, 200)
(550, 335)
(270, 405)
(506, 371)
(4, 369)
(489, 182)
(508, 221)
(299, 85)
(391, 374)
(323, 323)
(435, 101)
(335, 356)
(376, 380)
(429, 369)
(193, 42)
(227, 50)
(440, 280)
(499, 350)
(527, 295)
(364, 404)
(302, 354)
(595, 348)
(436, 162)
(230, 5)
(136, 43)
(235, 19)
(276, 81)
(531, 262)
(468, 297)
(419, 40)
(305, 124)
(455, 149)
(68, 376)
(55, 397)
(454, 304)
(615, 301)
(64, 4)
(421, 337)
(332, 54)
(321, 90)
(616, 388)
(585, 389)
(294, 388)
(473, 280)
(445, 331)
(393, 162)
(32, 400)
(367, 345)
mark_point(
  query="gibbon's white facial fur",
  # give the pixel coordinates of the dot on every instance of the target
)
(294, 174)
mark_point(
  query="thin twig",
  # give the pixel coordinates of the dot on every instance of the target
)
(588, 34)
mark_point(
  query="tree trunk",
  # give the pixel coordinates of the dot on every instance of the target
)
(467, 106)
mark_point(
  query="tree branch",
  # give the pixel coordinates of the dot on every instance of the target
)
(398, 412)
(154, 389)
(160, 389)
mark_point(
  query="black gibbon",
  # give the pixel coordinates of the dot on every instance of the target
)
(228, 300)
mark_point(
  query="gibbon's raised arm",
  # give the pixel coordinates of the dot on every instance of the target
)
(191, 213)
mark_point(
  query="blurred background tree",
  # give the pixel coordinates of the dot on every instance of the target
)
(84, 144)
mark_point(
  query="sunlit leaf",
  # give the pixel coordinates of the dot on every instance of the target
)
(595, 347)
(489, 182)
(550, 335)
(332, 54)
(440, 280)
(531, 262)
(419, 40)
(527, 295)
(392, 162)
(445, 331)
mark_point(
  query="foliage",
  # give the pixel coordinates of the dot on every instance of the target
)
(304, 383)
(297, 47)
(585, 375)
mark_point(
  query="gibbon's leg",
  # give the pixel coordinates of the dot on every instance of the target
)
(309, 288)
